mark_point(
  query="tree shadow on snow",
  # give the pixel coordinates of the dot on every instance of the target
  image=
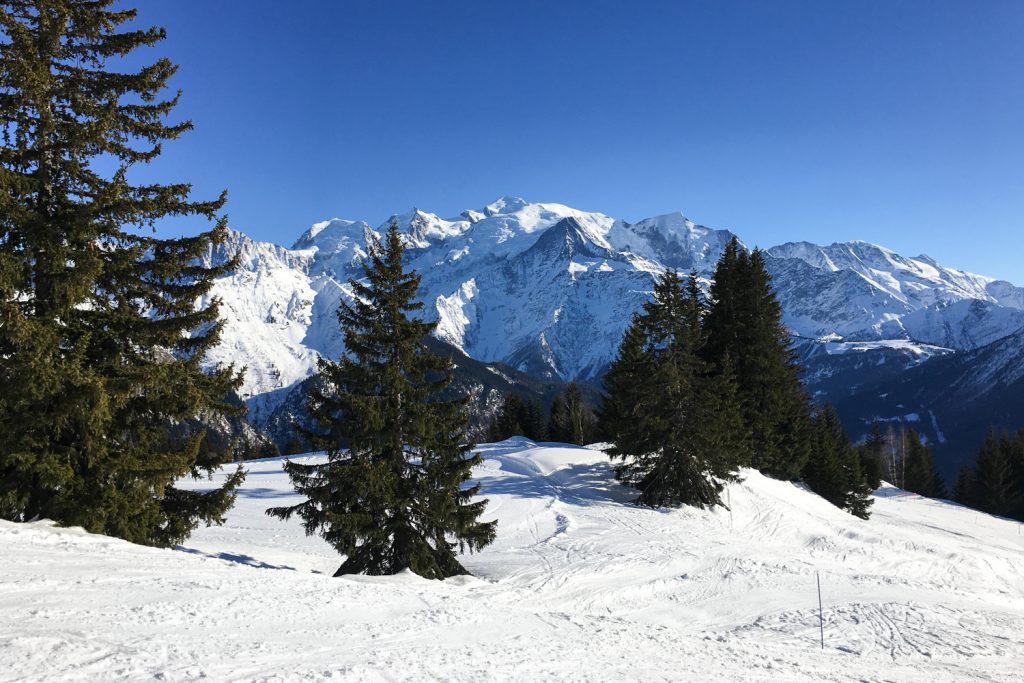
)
(264, 493)
(582, 484)
(237, 558)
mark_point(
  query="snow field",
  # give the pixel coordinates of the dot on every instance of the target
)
(579, 585)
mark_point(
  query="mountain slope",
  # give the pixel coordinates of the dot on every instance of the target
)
(484, 385)
(952, 400)
(862, 291)
(548, 290)
(579, 585)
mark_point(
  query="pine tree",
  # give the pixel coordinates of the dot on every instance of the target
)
(395, 499)
(558, 421)
(965, 490)
(532, 420)
(872, 456)
(1015, 446)
(996, 488)
(100, 336)
(920, 475)
(727, 433)
(663, 411)
(833, 468)
(745, 321)
(626, 400)
(507, 421)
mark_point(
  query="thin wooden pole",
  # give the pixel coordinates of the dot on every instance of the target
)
(821, 613)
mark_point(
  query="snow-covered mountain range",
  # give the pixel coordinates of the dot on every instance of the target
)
(548, 289)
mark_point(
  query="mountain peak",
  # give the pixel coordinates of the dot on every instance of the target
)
(505, 204)
(569, 237)
(672, 240)
(327, 235)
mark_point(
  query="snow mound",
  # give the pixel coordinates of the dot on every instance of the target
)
(579, 585)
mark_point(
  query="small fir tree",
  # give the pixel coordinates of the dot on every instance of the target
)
(396, 498)
(833, 468)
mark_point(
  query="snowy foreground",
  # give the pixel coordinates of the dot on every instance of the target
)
(579, 585)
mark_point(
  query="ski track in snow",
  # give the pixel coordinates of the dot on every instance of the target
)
(579, 585)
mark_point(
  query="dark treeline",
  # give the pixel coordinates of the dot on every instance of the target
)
(570, 418)
(703, 386)
(995, 482)
(897, 454)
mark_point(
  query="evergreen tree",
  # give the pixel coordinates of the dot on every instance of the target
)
(965, 490)
(395, 499)
(745, 321)
(1015, 446)
(507, 421)
(558, 421)
(872, 456)
(919, 473)
(532, 420)
(663, 410)
(627, 398)
(578, 426)
(101, 337)
(726, 431)
(996, 489)
(833, 468)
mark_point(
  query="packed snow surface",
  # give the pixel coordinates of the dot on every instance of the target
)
(580, 585)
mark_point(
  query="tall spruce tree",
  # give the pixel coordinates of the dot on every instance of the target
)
(996, 486)
(101, 337)
(665, 414)
(744, 321)
(391, 495)
(532, 420)
(919, 472)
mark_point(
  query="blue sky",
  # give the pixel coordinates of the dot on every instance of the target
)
(900, 123)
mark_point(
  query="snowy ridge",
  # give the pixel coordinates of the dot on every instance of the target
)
(549, 289)
(862, 290)
(579, 585)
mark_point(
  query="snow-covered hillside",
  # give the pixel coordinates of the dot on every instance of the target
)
(548, 289)
(863, 291)
(580, 585)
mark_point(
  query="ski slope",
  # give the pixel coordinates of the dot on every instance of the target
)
(579, 585)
